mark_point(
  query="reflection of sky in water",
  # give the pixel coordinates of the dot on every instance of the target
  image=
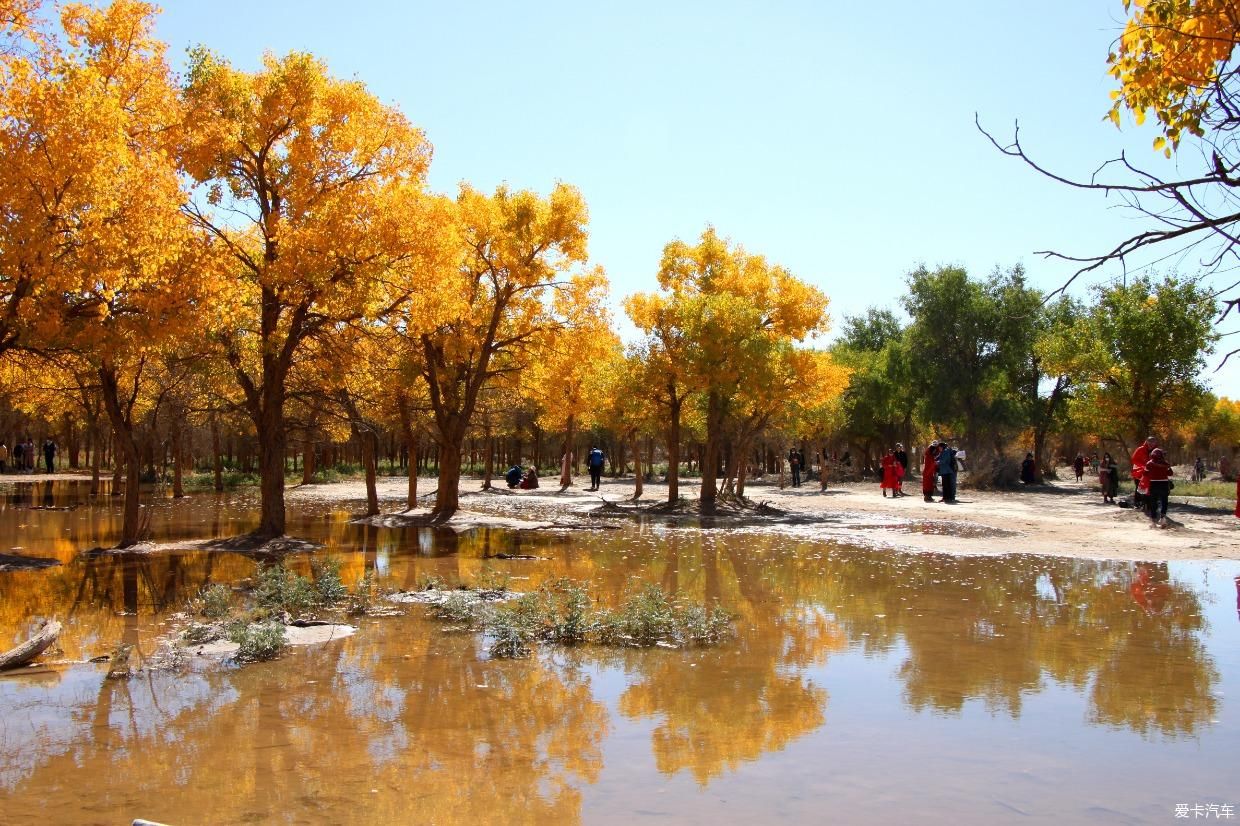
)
(865, 685)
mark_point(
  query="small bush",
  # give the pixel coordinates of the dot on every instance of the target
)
(327, 580)
(197, 634)
(510, 636)
(430, 582)
(258, 641)
(490, 579)
(363, 596)
(650, 618)
(458, 606)
(281, 590)
(213, 602)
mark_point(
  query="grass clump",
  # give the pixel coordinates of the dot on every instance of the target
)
(213, 602)
(197, 633)
(650, 617)
(282, 591)
(327, 580)
(362, 600)
(258, 640)
(490, 579)
(460, 607)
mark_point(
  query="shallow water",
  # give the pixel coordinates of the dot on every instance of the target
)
(864, 685)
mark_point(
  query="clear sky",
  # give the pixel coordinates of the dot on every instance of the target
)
(837, 139)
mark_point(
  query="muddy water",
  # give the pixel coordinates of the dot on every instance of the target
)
(864, 686)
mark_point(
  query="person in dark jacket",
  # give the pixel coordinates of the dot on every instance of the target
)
(1029, 470)
(594, 461)
(513, 476)
(947, 472)
(1157, 477)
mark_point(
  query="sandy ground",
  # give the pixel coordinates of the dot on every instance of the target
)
(1060, 519)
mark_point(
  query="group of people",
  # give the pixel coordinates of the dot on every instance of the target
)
(1152, 474)
(527, 478)
(938, 471)
(24, 456)
(895, 467)
(523, 478)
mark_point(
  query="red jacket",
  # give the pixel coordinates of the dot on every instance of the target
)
(1139, 457)
(1157, 471)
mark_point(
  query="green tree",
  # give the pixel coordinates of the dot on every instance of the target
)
(1155, 337)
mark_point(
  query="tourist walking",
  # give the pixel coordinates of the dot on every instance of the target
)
(49, 455)
(794, 466)
(929, 469)
(594, 461)
(28, 453)
(1108, 475)
(1078, 466)
(4, 457)
(18, 456)
(1157, 478)
(947, 472)
(1199, 470)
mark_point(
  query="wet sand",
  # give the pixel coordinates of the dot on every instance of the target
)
(1059, 519)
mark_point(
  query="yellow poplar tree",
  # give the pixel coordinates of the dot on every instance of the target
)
(315, 192)
(515, 249)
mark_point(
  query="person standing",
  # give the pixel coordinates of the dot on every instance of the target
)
(947, 472)
(594, 461)
(1078, 467)
(18, 456)
(891, 470)
(902, 458)
(4, 457)
(29, 454)
(49, 454)
(1139, 457)
(1028, 470)
(794, 465)
(1157, 477)
(1108, 475)
(929, 468)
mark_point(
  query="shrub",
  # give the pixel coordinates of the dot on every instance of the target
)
(363, 596)
(490, 579)
(281, 590)
(197, 634)
(258, 641)
(650, 618)
(213, 602)
(327, 580)
(457, 606)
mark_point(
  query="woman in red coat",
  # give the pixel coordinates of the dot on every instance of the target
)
(891, 479)
(929, 470)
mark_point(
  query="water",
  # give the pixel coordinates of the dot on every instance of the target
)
(864, 686)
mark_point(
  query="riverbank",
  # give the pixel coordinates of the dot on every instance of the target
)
(1057, 519)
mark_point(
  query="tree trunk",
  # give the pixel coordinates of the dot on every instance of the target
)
(673, 454)
(566, 463)
(637, 466)
(178, 459)
(217, 462)
(447, 499)
(122, 429)
(31, 648)
(489, 462)
(271, 448)
(710, 458)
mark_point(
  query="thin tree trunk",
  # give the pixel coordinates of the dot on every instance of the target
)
(566, 463)
(637, 466)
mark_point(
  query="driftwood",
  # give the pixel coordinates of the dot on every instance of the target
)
(31, 648)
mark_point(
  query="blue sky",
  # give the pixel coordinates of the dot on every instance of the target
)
(835, 138)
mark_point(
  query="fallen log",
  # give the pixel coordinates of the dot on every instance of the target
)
(32, 647)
